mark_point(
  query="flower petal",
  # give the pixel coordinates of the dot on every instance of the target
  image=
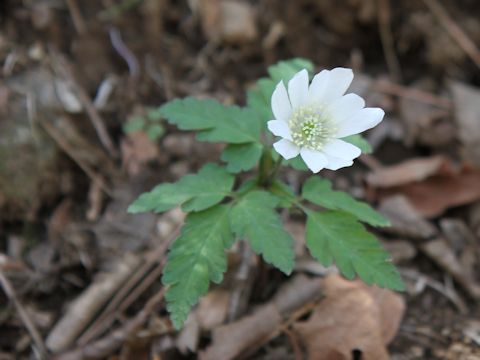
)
(338, 82)
(318, 87)
(314, 159)
(281, 107)
(362, 120)
(344, 107)
(337, 163)
(298, 88)
(341, 149)
(279, 128)
(286, 148)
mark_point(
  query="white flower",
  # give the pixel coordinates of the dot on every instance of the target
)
(313, 119)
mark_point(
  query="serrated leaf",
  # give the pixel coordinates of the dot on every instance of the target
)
(258, 98)
(338, 236)
(242, 157)
(319, 191)
(359, 141)
(254, 218)
(284, 192)
(196, 257)
(194, 192)
(217, 122)
(284, 70)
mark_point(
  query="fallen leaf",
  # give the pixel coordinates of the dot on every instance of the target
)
(212, 309)
(400, 250)
(439, 251)
(408, 171)
(137, 151)
(467, 115)
(226, 21)
(405, 219)
(352, 319)
(432, 196)
(250, 332)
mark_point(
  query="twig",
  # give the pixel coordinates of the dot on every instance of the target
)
(243, 282)
(108, 344)
(63, 68)
(10, 292)
(384, 24)
(455, 31)
(126, 54)
(389, 87)
(77, 17)
(449, 293)
(294, 341)
(121, 301)
(89, 302)
(59, 139)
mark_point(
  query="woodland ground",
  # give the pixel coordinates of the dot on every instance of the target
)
(80, 278)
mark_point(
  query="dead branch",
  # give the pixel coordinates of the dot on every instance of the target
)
(105, 346)
(82, 310)
(455, 31)
(10, 292)
(63, 68)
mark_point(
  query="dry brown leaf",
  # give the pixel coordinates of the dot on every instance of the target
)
(137, 150)
(443, 255)
(467, 116)
(231, 340)
(405, 219)
(407, 172)
(212, 309)
(353, 318)
(446, 188)
(227, 21)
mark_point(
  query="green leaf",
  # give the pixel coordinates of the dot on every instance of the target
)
(319, 191)
(155, 131)
(284, 192)
(284, 70)
(254, 218)
(258, 98)
(242, 157)
(338, 236)
(218, 122)
(194, 192)
(137, 123)
(359, 141)
(196, 257)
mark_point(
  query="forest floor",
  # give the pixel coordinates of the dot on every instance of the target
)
(80, 278)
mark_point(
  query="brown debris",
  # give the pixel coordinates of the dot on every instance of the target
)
(137, 150)
(228, 21)
(353, 318)
(406, 172)
(253, 330)
(467, 116)
(405, 219)
(84, 308)
(442, 254)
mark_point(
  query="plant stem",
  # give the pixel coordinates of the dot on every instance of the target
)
(266, 163)
(276, 167)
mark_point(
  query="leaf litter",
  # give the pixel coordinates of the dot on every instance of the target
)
(436, 106)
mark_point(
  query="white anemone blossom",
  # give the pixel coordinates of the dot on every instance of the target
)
(313, 118)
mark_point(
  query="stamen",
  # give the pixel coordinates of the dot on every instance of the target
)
(311, 127)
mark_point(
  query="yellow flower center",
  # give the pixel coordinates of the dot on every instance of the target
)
(310, 127)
